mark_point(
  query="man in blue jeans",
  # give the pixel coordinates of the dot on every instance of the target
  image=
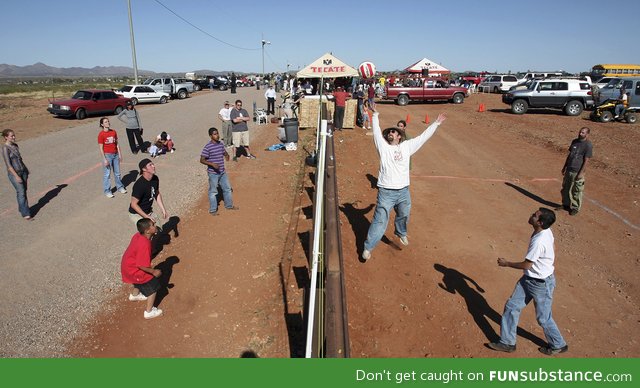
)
(213, 156)
(536, 284)
(393, 180)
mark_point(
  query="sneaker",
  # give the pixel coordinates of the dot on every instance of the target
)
(499, 346)
(232, 208)
(550, 351)
(573, 212)
(215, 213)
(138, 297)
(109, 195)
(154, 313)
(123, 190)
(251, 156)
(366, 255)
(404, 240)
(235, 158)
(172, 151)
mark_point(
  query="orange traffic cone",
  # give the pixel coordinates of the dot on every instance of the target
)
(426, 119)
(481, 108)
(408, 119)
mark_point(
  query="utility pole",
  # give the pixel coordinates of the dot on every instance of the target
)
(133, 45)
(263, 43)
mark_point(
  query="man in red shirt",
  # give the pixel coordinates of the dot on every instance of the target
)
(136, 268)
(111, 157)
(340, 97)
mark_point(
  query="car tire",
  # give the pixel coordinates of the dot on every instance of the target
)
(163, 100)
(606, 116)
(222, 88)
(458, 98)
(403, 100)
(519, 107)
(496, 89)
(182, 94)
(573, 108)
(119, 109)
(81, 114)
(134, 101)
(197, 88)
(631, 118)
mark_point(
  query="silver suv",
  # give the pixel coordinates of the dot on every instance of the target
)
(570, 94)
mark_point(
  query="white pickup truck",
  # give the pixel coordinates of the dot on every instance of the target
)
(177, 89)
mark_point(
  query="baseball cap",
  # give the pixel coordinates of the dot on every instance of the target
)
(143, 163)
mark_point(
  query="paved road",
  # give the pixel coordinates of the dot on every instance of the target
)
(56, 271)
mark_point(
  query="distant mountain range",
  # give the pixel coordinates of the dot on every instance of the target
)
(41, 70)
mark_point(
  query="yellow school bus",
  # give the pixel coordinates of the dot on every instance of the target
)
(615, 70)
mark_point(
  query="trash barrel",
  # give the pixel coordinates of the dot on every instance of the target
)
(291, 130)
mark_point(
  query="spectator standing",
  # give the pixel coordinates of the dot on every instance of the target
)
(239, 118)
(111, 158)
(371, 94)
(233, 83)
(271, 95)
(580, 151)
(17, 171)
(536, 284)
(136, 269)
(213, 156)
(365, 115)
(340, 98)
(145, 191)
(393, 180)
(225, 117)
(133, 124)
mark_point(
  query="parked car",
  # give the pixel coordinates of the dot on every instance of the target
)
(142, 94)
(175, 87)
(612, 89)
(431, 90)
(604, 81)
(88, 102)
(497, 83)
(605, 111)
(570, 94)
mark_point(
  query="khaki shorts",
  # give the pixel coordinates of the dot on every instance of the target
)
(135, 217)
(241, 138)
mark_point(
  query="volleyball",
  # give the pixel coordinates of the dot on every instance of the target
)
(367, 69)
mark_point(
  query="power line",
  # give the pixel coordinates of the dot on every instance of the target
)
(203, 31)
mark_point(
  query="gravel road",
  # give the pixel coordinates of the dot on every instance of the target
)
(57, 271)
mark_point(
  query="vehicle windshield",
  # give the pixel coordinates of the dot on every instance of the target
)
(531, 85)
(82, 95)
(125, 88)
(614, 83)
(147, 82)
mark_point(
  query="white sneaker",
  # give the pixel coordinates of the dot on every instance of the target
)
(109, 195)
(366, 255)
(138, 297)
(404, 240)
(123, 190)
(154, 313)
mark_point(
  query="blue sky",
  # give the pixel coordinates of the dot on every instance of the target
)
(461, 35)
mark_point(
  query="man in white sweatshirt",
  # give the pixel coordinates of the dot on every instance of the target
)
(393, 180)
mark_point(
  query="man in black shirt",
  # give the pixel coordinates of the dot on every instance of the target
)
(145, 191)
(580, 151)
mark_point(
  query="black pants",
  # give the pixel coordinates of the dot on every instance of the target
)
(135, 135)
(271, 106)
(338, 116)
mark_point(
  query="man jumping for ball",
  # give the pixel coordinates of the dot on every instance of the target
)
(393, 180)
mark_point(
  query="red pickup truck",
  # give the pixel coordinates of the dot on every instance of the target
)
(430, 90)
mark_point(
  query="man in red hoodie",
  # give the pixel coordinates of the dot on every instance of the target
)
(340, 97)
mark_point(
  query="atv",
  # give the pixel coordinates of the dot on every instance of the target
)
(605, 112)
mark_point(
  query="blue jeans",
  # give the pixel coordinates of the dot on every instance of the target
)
(223, 181)
(21, 193)
(541, 292)
(106, 181)
(400, 201)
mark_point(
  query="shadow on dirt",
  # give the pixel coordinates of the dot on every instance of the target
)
(454, 282)
(167, 269)
(533, 196)
(163, 238)
(42, 202)
(129, 178)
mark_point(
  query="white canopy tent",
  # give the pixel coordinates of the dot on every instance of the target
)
(426, 63)
(327, 66)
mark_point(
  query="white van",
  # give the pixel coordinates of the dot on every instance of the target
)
(541, 74)
(498, 83)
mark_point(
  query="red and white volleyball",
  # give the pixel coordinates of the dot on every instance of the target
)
(367, 69)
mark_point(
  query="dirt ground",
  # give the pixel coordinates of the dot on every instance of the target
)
(237, 282)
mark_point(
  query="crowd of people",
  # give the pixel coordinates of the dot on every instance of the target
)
(394, 149)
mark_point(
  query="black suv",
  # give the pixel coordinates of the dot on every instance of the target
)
(571, 95)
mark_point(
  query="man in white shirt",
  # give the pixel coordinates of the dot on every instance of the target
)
(225, 116)
(393, 180)
(271, 95)
(537, 284)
